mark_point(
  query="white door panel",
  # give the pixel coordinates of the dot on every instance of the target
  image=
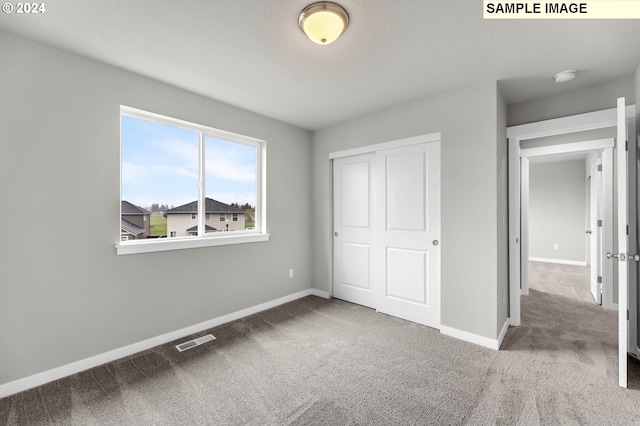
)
(623, 246)
(407, 275)
(595, 235)
(406, 192)
(634, 240)
(355, 262)
(355, 203)
(353, 231)
(408, 284)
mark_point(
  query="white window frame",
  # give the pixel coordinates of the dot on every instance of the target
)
(203, 239)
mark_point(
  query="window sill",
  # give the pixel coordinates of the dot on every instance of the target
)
(165, 244)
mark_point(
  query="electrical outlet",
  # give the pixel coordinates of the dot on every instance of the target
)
(555, 247)
(291, 273)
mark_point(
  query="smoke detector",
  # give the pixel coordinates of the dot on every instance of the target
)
(563, 76)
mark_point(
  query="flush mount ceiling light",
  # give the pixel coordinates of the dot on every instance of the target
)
(563, 76)
(323, 22)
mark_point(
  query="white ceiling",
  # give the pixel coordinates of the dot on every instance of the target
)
(251, 53)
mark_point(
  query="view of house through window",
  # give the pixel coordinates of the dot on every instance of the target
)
(164, 165)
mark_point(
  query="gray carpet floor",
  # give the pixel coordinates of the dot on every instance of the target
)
(317, 361)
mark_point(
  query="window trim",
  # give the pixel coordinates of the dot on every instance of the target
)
(179, 243)
(204, 239)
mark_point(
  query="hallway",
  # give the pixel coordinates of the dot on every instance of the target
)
(564, 327)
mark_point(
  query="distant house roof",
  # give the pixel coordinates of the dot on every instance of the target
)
(207, 228)
(211, 206)
(129, 227)
(128, 208)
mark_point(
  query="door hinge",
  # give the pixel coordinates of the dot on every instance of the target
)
(627, 229)
(600, 280)
(626, 145)
(627, 315)
(599, 167)
(599, 222)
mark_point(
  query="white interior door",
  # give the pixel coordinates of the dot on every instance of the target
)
(408, 246)
(634, 242)
(623, 246)
(594, 236)
(353, 218)
(633, 159)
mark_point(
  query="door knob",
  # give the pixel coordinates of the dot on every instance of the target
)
(612, 255)
(588, 231)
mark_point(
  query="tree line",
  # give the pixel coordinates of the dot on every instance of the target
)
(158, 208)
(246, 207)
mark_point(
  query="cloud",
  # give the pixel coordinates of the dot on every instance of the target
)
(131, 172)
(137, 173)
(229, 160)
(225, 169)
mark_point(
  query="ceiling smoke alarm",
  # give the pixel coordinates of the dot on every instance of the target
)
(563, 76)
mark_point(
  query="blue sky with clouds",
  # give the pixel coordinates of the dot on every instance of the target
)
(160, 165)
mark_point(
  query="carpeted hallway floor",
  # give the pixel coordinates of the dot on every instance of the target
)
(317, 361)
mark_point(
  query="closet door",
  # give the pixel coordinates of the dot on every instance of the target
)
(408, 233)
(353, 222)
(386, 216)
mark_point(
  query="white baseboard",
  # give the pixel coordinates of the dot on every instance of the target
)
(503, 332)
(560, 261)
(320, 293)
(39, 379)
(474, 338)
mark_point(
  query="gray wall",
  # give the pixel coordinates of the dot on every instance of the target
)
(557, 210)
(65, 295)
(468, 120)
(573, 102)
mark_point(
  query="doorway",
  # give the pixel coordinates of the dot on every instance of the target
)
(623, 118)
(558, 225)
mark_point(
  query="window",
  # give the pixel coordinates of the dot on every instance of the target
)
(172, 169)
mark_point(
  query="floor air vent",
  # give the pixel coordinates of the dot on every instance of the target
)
(195, 342)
